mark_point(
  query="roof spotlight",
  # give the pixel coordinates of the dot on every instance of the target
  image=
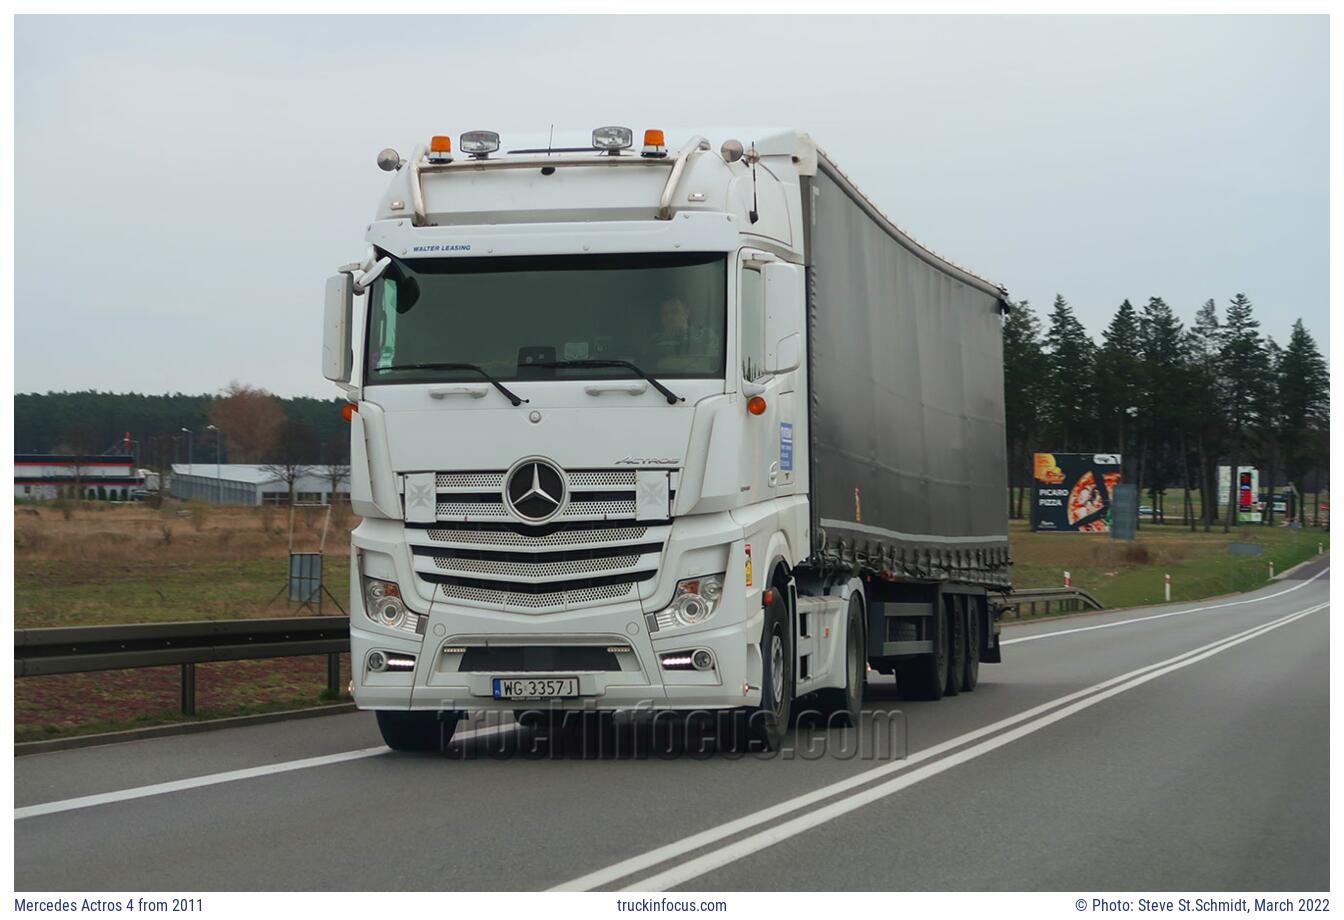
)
(478, 144)
(613, 138)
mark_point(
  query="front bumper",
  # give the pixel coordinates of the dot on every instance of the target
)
(439, 680)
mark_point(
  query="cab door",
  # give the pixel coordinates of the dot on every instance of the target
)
(768, 300)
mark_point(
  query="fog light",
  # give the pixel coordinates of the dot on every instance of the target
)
(702, 660)
(377, 661)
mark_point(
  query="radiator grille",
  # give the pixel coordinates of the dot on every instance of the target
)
(478, 553)
(483, 481)
(592, 495)
(556, 599)
(536, 569)
(566, 537)
(489, 511)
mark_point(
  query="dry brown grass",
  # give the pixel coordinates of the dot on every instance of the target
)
(1157, 545)
(177, 533)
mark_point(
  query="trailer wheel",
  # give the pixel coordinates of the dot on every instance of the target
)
(973, 627)
(416, 731)
(925, 677)
(845, 705)
(766, 724)
(954, 614)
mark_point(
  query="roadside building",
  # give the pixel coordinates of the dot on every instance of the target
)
(257, 484)
(105, 477)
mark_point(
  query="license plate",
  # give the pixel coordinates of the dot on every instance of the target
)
(535, 688)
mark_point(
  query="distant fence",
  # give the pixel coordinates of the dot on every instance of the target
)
(78, 649)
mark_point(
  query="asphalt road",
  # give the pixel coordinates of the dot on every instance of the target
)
(1183, 747)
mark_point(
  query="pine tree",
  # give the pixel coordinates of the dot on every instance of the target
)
(1024, 375)
(1119, 377)
(1070, 381)
(1242, 375)
(1206, 418)
(1163, 360)
(1304, 404)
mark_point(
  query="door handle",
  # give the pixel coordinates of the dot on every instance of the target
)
(630, 387)
(474, 390)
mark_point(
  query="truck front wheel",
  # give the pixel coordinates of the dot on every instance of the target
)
(845, 705)
(416, 731)
(765, 725)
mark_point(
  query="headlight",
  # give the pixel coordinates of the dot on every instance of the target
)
(383, 605)
(693, 602)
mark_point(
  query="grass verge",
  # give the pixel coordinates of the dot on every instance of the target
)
(1130, 574)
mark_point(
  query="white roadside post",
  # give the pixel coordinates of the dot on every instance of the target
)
(1271, 569)
(1166, 586)
(1068, 580)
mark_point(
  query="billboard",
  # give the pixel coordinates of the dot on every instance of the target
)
(1248, 493)
(1072, 492)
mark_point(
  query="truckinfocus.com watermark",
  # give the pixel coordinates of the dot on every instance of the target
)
(877, 735)
(670, 905)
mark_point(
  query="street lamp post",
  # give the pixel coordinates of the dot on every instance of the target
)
(219, 480)
(191, 471)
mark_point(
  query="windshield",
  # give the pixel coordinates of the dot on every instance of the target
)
(664, 312)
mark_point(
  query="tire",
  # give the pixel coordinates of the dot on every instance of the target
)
(971, 673)
(954, 613)
(843, 706)
(416, 731)
(765, 726)
(925, 677)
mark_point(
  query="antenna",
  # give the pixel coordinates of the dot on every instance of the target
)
(550, 138)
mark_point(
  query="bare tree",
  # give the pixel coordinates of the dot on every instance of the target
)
(337, 475)
(291, 455)
(338, 471)
(80, 440)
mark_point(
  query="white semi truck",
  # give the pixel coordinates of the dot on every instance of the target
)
(635, 427)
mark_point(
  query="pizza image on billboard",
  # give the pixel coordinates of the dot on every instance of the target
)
(1072, 492)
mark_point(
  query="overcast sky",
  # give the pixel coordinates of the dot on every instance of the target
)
(184, 185)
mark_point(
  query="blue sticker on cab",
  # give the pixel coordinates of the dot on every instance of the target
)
(786, 446)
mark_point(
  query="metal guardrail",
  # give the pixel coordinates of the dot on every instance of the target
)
(1064, 599)
(79, 649)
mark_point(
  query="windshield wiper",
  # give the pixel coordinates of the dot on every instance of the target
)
(672, 398)
(455, 366)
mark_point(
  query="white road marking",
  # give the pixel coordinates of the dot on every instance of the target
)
(1162, 616)
(213, 779)
(756, 842)
(698, 841)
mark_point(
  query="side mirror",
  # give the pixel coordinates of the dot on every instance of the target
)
(337, 358)
(783, 284)
(788, 354)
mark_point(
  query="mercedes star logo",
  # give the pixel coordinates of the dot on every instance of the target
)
(535, 490)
